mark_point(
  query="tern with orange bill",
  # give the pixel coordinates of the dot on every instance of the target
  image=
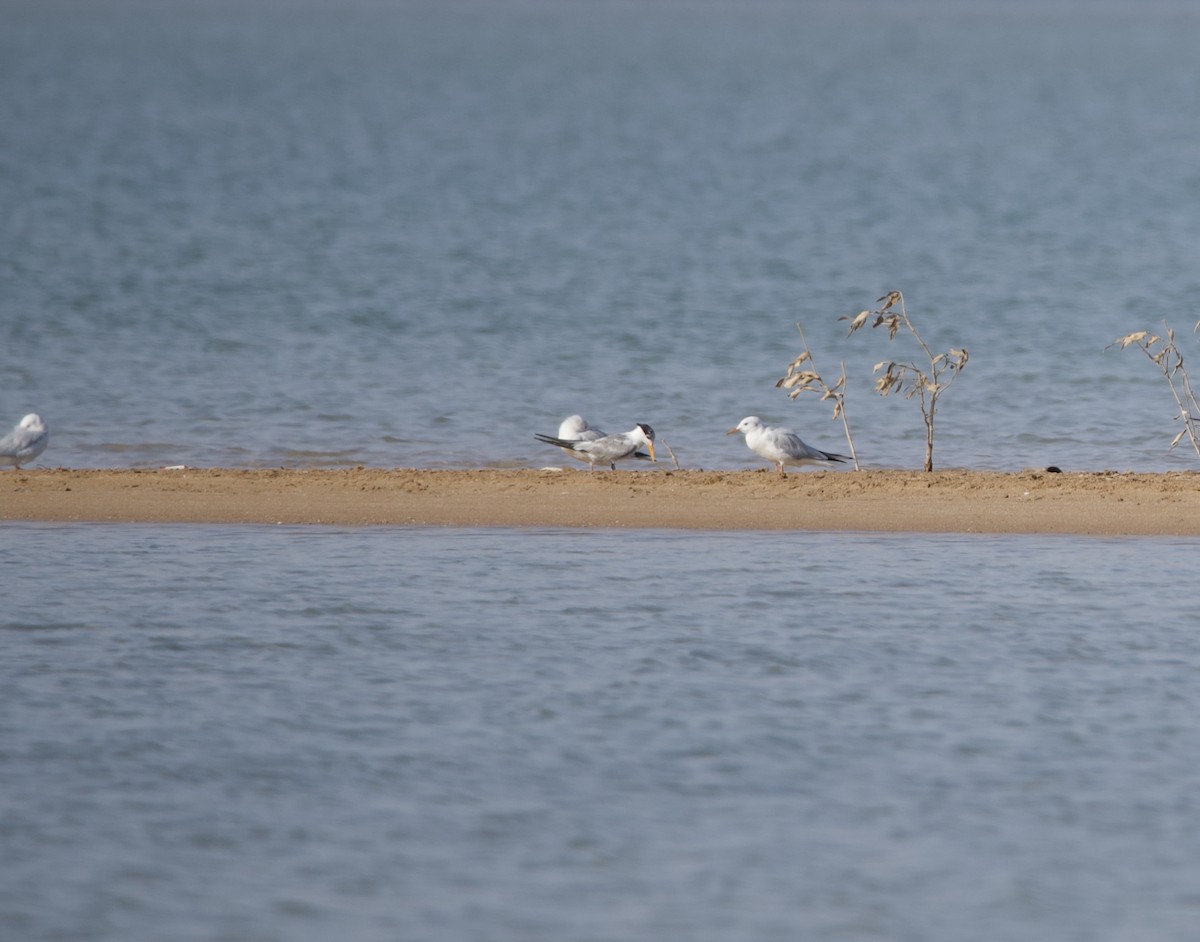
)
(607, 450)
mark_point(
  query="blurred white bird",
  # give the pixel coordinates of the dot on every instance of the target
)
(575, 428)
(780, 445)
(25, 442)
(610, 448)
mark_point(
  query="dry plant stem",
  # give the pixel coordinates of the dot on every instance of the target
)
(1189, 413)
(929, 412)
(838, 394)
(927, 387)
(841, 398)
(928, 409)
(1168, 359)
(674, 460)
(810, 380)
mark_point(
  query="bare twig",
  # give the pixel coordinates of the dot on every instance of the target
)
(662, 441)
(909, 378)
(1166, 356)
(800, 379)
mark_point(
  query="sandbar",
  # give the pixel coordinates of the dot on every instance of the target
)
(954, 501)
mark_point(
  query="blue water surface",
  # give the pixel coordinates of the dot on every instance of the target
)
(414, 233)
(300, 733)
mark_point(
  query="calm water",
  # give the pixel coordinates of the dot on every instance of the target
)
(275, 733)
(288, 233)
(414, 233)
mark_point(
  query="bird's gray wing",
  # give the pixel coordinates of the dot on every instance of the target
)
(17, 441)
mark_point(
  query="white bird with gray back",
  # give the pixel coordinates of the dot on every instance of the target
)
(575, 428)
(781, 446)
(607, 450)
(25, 442)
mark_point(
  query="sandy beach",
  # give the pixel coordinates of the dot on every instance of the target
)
(1034, 501)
